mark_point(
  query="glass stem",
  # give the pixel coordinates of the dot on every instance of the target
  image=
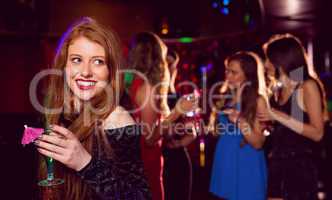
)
(50, 168)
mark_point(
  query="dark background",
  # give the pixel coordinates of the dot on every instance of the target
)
(30, 30)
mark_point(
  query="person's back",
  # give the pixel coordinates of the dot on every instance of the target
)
(150, 154)
(148, 91)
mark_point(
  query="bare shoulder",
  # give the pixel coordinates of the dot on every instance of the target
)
(143, 92)
(309, 95)
(310, 86)
(119, 118)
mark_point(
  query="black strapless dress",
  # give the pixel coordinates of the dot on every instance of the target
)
(120, 176)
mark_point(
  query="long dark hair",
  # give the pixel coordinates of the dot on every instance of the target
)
(249, 63)
(286, 52)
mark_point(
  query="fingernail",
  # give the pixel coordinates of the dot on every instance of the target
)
(48, 131)
(36, 142)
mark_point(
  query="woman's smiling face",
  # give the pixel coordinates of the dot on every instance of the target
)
(86, 70)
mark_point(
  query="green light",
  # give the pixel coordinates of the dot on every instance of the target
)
(329, 106)
(247, 18)
(128, 79)
(185, 40)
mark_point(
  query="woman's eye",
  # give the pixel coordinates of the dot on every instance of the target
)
(99, 62)
(76, 60)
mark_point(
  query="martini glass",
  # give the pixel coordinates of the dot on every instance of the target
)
(50, 179)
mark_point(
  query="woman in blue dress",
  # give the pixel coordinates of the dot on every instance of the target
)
(239, 168)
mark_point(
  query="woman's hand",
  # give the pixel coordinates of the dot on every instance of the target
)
(266, 115)
(173, 144)
(187, 103)
(63, 146)
(233, 114)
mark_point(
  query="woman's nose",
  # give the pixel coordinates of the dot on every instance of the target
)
(86, 70)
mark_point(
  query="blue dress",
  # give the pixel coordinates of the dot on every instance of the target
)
(238, 173)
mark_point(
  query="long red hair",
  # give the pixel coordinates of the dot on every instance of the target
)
(82, 123)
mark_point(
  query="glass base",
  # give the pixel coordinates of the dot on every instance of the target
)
(47, 183)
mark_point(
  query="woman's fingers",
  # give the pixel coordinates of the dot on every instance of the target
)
(62, 145)
(50, 147)
(187, 104)
(63, 131)
(228, 111)
(51, 154)
(263, 116)
(54, 138)
(263, 119)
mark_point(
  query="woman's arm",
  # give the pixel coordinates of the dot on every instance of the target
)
(99, 175)
(153, 129)
(63, 146)
(99, 172)
(254, 135)
(174, 73)
(312, 101)
(148, 113)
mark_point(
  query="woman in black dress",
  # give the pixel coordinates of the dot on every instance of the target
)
(298, 110)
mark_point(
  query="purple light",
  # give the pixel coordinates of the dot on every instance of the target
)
(206, 68)
(224, 11)
(203, 69)
(215, 5)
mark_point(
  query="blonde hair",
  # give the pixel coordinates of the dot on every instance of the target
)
(147, 54)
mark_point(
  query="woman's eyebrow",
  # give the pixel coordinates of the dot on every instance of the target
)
(74, 54)
(98, 57)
